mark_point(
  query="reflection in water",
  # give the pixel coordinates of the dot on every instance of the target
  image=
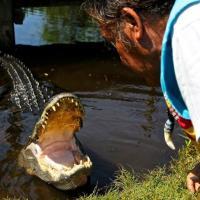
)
(70, 25)
(123, 126)
(151, 104)
(66, 24)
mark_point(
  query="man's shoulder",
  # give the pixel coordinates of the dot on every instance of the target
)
(189, 16)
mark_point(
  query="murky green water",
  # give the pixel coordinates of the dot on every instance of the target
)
(68, 24)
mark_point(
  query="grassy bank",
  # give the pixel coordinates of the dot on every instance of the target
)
(166, 183)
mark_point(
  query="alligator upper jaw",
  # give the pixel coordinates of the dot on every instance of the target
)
(55, 154)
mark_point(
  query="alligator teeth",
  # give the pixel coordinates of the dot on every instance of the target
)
(72, 100)
(45, 122)
(54, 108)
(30, 158)
(87, 165)
(58, 104)
(81, 162)
(46, 117)
(43, 126)
(76, 104)
(67, 168)
(75, 165)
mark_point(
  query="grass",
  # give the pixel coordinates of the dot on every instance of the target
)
(166, 183)
(163, 183)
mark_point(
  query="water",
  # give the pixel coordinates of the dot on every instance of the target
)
(123, 125)
(66, 24)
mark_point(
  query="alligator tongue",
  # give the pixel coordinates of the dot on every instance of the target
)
(60, 152)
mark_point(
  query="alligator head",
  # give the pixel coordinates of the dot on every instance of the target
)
(54, 154)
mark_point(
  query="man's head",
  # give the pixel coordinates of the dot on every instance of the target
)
(135, 28)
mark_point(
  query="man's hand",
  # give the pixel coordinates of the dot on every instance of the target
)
(193, 179)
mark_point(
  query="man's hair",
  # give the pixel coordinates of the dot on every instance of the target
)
(105, 11)
(108, 13)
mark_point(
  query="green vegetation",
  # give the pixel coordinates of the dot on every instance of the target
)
(62, 24)
(69, 24)
(166, 183)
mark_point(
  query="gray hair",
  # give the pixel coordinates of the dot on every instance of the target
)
(108, 13)
(105, 11)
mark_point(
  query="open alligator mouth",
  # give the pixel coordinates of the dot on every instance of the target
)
(53, 153)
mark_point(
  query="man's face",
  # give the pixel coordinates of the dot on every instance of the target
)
(142, 55)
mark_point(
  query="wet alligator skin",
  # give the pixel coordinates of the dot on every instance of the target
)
(29, 96)
(26, 90)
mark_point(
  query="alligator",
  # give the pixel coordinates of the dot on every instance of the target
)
(53, 152)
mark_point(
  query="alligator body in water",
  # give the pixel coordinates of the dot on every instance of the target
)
(53, 152)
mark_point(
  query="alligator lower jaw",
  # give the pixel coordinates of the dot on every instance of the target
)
(54, 154)
(65, 169)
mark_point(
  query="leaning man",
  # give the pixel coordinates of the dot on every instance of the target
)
(148, 34)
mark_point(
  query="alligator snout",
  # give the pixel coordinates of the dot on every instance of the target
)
(54, 153)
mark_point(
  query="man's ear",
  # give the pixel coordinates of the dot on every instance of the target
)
(133, 27)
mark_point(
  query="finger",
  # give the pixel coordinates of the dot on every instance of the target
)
(197, 186)
(190, 184)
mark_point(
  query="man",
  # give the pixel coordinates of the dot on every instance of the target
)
(136, 29)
